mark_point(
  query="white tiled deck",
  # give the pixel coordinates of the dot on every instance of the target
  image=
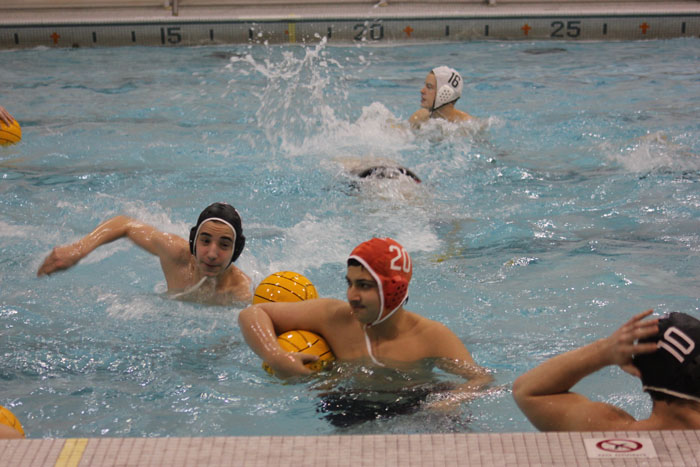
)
(668, 448)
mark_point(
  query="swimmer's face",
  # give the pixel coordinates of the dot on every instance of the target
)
(427, 94)
(363, 294)
(214, 248)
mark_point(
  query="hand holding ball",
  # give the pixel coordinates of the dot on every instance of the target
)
(289, 286)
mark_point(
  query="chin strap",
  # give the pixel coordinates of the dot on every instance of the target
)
(191, 289)
(369, 347)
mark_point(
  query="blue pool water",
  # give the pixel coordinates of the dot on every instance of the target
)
(571, 204)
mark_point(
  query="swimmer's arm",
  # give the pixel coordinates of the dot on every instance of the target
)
(261, 323)
(543, 393)
(453, 357)
(5, 116)
(166, 246)
(478, 379)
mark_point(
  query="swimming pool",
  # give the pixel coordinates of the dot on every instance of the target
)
(571, 205)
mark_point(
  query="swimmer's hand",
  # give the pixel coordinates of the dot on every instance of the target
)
(61, 257)
(290, 364)
(623, 344)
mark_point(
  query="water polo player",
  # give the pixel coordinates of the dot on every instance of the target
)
(378, 172)
(442, 88)
(664, 353)
(372, 327)
(200, 269)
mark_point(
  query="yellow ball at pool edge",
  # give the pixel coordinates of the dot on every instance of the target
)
(9, 419)
(284, 286)
(10, 134)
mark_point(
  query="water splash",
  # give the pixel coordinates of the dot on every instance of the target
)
(656, 151)
(304, 89)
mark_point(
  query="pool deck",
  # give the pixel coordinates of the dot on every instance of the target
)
(201, 22)
(666, 448)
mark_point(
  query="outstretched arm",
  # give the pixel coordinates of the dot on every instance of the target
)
(543, 392)
(161, 244)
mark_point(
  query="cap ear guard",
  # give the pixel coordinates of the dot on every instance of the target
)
(193, 233)
(238, 247)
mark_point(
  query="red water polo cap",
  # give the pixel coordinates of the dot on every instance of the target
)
(390, 266)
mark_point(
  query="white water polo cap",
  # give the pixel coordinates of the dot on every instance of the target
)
(448, 87)
(390, 266)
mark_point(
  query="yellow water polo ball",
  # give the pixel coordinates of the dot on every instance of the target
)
(284, 286)
(10, 134)
(305, 342)
(9, 419)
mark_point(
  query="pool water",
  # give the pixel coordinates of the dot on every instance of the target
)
(572, 203)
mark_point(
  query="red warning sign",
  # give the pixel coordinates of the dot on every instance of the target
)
(619, 447)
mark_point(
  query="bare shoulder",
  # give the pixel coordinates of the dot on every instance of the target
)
(463, 116)
(170, 247)
(443, 341)
(419, 116)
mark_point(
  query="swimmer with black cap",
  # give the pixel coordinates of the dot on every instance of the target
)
(664, 353)
(442, 88)
(372, 327)
(200, 270)
(381, 172)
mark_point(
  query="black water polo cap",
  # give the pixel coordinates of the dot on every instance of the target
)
(674, 369)
(227, 214)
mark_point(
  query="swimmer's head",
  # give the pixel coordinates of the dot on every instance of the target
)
(448, 87)
(390, 266)
(388, 172)
(226, 214)
(674, 369)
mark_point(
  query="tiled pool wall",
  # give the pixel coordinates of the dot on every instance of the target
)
(354, 22)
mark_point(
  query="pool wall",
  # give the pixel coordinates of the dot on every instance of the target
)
(71, 23)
